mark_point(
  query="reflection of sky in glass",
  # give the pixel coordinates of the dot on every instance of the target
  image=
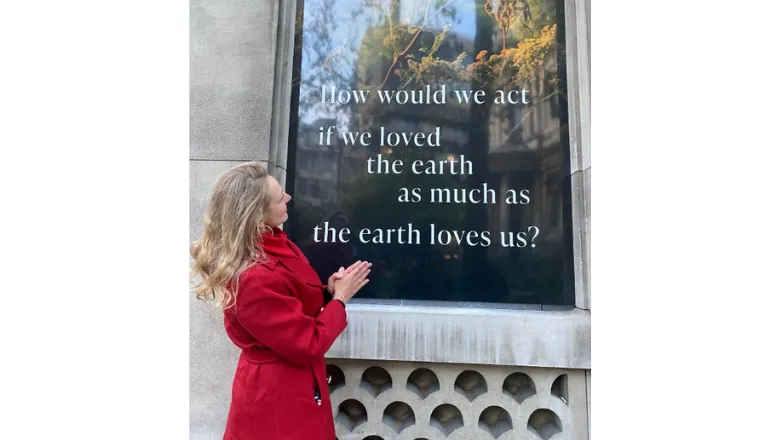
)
(348, 33)
(463, 25)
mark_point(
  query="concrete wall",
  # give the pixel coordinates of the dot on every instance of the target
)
(240, 82)
(450, 401)
(232, 69)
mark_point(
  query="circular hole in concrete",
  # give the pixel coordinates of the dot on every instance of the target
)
(399, 416)
(495, 420)
(375, 380)
(336, 376)
(519, 386)
(423, 382)
(470, 384)
(545, 423)
(560, 388)
(351, 414)
(446, 418)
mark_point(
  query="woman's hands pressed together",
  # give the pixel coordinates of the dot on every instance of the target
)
(345, 283)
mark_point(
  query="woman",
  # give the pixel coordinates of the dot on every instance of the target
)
(276, 310)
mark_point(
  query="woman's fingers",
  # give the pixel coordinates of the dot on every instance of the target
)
(360, 272)
(356, 275)
(361, 279)
(338, 275)
(354, 266)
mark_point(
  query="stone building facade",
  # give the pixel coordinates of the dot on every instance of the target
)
(425, 371)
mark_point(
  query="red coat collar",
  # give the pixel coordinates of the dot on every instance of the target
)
(278, 249)
(276, 245)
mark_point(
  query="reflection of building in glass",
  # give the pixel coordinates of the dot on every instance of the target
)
(525, 152)
(523, 145)
(315, 167)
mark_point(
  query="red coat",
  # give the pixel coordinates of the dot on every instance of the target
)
(283, 337)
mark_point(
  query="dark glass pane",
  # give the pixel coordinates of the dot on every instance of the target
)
(433, 131)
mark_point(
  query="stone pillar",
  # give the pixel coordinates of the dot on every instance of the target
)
(232, 69)
(578, 85)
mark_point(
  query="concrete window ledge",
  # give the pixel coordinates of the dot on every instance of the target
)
(468, 335)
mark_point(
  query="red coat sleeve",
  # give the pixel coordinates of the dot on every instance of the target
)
(276, 319)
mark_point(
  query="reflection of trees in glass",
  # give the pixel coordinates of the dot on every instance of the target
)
(505, 13)
(401, 37)
(526, 58)
(409, 47)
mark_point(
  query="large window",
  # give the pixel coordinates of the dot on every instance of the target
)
(429, 137)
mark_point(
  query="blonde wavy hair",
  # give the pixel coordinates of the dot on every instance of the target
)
(231, 229)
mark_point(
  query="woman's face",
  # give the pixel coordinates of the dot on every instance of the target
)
(277, 203)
